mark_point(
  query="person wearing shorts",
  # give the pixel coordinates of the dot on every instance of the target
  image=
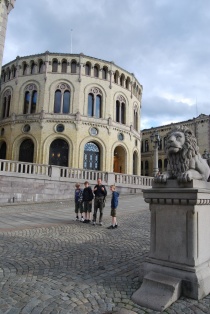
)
(99, 201)
(87, 201)
(114, 204)
(78, 198)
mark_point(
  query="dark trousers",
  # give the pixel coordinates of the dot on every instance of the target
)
(98, 204)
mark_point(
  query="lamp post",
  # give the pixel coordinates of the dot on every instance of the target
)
(155, 139)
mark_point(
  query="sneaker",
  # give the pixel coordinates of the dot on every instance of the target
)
(110, 227)
(94, 223)
(115, 226)
(85, 221)
(77, 218)
(82, 219)
(100, 224)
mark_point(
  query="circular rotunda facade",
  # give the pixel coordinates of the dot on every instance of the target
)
(70, 110)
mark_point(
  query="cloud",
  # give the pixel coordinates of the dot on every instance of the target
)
(166, 44)
(161, 111)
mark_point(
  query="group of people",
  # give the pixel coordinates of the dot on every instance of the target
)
(84, 199)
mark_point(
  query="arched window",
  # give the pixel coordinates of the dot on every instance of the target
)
(30, 99)
(142, 146)
(34, 101)
(26, 152)
(73, 67)
(57, 101)
(160, 165)
(66, 101)
(135, 118)
(117, 111)
(146, 168)
(122, 80)
(3, 150)
(142, 167)
(96, 71)
(123, 113)
(62, 98)
(104, 73)
(24, 68)
(14, 70)
(33, 67)
(160, 146)
(91, 156)
(59, 152)
(164, 142)
(87, 69)
(6, 104)
(64, 66)
(3, 76)
(120, 110)
(41, 66)
(134, 88)
(90, 105)
(55, 65)
(135, 162)
(116, 77)
(146, 146)
(9, 74)
(95, 103)
(98, 106)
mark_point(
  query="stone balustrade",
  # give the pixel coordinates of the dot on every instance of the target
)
(22, 181)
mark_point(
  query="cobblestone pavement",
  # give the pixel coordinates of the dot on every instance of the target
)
(50, 263)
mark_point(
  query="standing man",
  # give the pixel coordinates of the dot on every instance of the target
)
(100, 194)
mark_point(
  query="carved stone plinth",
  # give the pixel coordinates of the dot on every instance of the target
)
(180, 235)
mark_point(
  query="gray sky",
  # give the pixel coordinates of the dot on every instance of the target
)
(165, 43)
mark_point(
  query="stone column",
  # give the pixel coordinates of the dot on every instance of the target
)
(5, 8)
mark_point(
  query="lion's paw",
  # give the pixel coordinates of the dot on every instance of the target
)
(185, 177)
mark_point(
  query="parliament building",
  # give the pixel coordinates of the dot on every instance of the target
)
(70, 110)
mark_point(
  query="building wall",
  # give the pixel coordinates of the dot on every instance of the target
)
(77, 124)
(201, 128)
(5, 7)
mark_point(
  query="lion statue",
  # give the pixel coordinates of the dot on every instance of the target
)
(184, 160)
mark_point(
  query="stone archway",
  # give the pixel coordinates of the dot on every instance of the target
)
(26, 152)
(119, 164)
(59, 151)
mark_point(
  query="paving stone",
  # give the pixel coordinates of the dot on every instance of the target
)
(50, 263)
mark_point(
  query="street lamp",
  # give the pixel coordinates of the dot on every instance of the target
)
(155, 139)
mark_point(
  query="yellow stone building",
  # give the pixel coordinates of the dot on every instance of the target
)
(70, 110)
(5, 7)
(199, 125)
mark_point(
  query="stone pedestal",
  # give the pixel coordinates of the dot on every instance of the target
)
(180, 236)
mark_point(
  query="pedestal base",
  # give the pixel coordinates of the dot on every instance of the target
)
(195, 280)
(158, 291)
(179, 246)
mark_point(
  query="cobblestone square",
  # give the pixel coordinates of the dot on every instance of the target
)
(50, 263)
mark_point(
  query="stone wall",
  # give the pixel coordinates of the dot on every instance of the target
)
(24, 182)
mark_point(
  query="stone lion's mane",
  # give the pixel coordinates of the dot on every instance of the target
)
(180, 162)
